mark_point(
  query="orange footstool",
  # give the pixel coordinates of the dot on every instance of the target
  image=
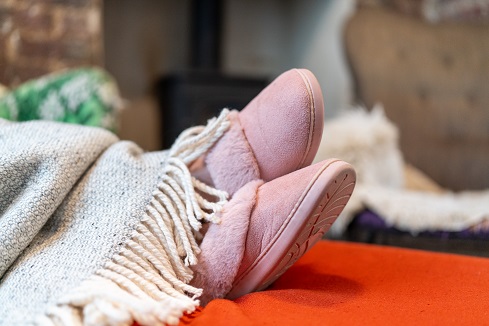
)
(338, 283)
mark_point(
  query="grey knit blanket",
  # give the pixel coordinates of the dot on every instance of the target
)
(95, 231)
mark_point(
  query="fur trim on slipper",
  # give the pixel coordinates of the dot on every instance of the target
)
(231, 162)
(224, 244)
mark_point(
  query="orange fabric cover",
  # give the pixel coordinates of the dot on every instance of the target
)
(339, 283)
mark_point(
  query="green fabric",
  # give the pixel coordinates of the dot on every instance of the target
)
(87, 96)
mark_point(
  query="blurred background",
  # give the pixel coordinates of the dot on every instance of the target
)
(254, 39)
(140, 42)
(177, 63)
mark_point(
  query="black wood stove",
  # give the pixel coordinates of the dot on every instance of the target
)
(191, 97)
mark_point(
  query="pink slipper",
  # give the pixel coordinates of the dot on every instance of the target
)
(276, 133)
(266, 227)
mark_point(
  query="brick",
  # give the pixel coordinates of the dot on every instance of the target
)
(76, 50)
(75, 24)
(74, 3)
(17, 74)
(41, 36)
(38, 49)
(37, 18)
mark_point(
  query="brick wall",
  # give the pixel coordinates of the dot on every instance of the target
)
(41, 36)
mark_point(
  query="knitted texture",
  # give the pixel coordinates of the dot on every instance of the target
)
(32, 155)
(109, 231)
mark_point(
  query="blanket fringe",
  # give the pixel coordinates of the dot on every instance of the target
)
(147, 280)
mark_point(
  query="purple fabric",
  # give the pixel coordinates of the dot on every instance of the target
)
(371, 221)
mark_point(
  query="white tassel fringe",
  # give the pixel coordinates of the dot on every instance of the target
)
(147, 281)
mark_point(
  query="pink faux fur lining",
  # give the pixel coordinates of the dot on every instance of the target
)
(231, 162)
(224, 244)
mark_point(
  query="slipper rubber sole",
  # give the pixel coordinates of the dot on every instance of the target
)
(316, 210)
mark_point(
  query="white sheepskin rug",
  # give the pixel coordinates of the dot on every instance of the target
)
(370, 142)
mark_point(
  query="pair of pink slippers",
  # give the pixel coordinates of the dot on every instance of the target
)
(280, 205)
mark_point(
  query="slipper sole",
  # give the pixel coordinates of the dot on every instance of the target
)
(316, 210)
